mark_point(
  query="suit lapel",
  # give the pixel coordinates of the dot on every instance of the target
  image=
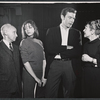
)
(58, 33)
(15, 57)
(6, 48)
(14, 52)
(71, 36)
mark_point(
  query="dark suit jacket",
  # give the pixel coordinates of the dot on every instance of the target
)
(53, 47)
(10, 79)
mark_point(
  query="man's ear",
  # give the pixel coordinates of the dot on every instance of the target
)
(93, 31)
(62, 17)
(5, 33)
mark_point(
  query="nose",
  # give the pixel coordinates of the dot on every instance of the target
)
(72, 20)
(27, 30)
(84, 30)
(16, 35)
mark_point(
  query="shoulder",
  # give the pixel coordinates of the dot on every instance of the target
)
(99, 42)
(86, 44)
(16, 47)
(53, 30)
(38, 41)
(75, 30)
(23, 42)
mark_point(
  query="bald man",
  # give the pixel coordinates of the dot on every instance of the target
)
(10, 80)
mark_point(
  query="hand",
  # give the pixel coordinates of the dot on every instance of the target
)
(95, 66)
(39, 82)
(44, 81)
(94, 61)
(86, 57)
(69, 47)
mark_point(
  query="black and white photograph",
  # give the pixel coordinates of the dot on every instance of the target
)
(49, 49)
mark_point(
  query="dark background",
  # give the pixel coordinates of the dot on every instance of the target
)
(46, 15)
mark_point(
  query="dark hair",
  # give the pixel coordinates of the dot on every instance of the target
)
(36, 33)
(67, 9)
(95, 25)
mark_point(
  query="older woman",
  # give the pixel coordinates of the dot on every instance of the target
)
(33, 58)
(91, 72)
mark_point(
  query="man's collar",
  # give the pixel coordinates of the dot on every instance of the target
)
(6, 42)
(61, 26)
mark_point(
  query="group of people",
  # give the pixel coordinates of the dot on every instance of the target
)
(47, 67)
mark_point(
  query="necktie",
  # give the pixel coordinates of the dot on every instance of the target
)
(11, 48)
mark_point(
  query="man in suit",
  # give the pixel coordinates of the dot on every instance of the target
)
(63, 46)
(10, 79)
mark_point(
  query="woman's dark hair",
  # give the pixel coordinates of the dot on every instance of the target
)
(95, 25)
(36, 33)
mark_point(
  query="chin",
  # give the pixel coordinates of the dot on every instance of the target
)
(14, 40)
(69, 26)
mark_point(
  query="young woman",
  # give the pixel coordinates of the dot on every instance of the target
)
(33, 57)
(91, 70)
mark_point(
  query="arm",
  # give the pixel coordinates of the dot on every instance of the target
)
(76, 50)
(31, 72)
(44, 67)
(71, 53)
(44, 61)
(98, 56)
(25, 58)
(87, 58)
(53, 45)
(43, 79)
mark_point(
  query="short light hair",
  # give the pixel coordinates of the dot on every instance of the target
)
(6, 27)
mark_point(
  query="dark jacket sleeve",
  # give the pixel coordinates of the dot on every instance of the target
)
(98, 56)
(77, 48)
(51, 45)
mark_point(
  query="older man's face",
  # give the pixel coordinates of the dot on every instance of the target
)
(11, 34)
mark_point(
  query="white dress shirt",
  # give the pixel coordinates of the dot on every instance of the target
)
(64, 38)
(64, 35)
